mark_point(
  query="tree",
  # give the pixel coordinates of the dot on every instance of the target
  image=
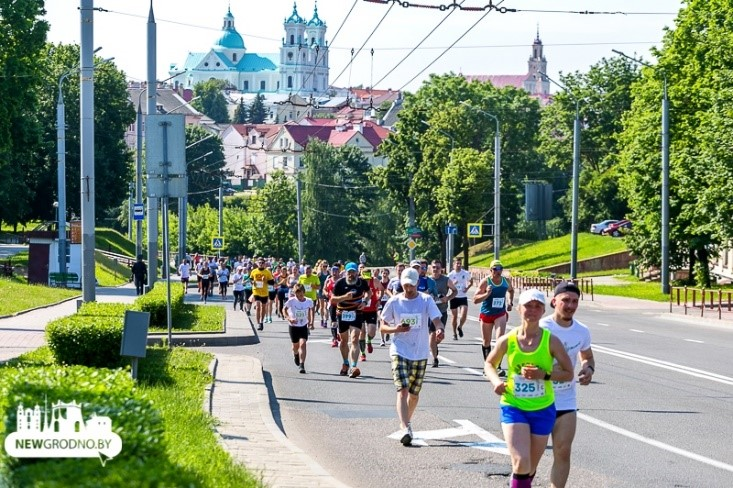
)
(604, 92)
(241, 114)
(22, 39)
(211, 100)
(272, 229)
(695, 59)
(205, 165)
(257, 110)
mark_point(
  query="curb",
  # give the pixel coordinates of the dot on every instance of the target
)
(209, 389)
(201, 340)
(22, 312)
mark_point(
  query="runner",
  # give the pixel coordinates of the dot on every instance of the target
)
(459, 304)
(184, 271)
(369, 312)
(349, 295)
(527, 398)
(311, 283)
(383, 297)
(281, 283)
(576, 339)
(204, 277)
(299, 311)
(222, 275)
(238, 287)
(213, 266)
(328, 290)
(247, 282)
(322, 306)
(271, 297)
(492, 294)
(407, 315)
(445, 290)
(262, 279)
(394, 288)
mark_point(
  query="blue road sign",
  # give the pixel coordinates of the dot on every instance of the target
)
(475, 230)
(451, 229)
(217, 242)
(138, 212)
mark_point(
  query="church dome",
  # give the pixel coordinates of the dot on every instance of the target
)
(316, 21)
(230, 38)
(294, 17)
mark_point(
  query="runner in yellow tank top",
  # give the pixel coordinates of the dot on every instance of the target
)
(527, 399)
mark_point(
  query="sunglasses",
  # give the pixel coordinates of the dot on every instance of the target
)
(498, 268)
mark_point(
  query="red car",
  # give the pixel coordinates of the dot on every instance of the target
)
(620, 228)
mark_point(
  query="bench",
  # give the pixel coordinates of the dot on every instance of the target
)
(63, 279)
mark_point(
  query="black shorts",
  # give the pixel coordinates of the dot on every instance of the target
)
(332, 313)
(272, 295)
(369, 317)
(443, 318)
(261, 299)
(247, 293)
(344, 326)
(184, 280)
(560, 413)
(458, 302)
(298, 333)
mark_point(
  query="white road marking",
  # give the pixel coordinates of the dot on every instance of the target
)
(652, 442)
(446, 360)
(697, 373)
(695, 341)
(637, 330)
(601, 323)
(474, 371)
(490, 442)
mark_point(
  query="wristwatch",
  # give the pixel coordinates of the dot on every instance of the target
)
(548, 376)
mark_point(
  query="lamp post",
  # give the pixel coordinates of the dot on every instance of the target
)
(665, 173)
(576, 181)
(497, 180)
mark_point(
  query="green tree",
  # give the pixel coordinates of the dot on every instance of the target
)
(241, 114)
(273, 226)
(211, 100)
(206, 165)
(257, 110)
(22, 38)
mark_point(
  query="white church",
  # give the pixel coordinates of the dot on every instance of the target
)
(301, 67)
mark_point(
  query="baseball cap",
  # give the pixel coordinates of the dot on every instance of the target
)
(415, 262)
(351, 266)
(409, 277)
(496, 263)
(531, 294)
(566, 287)
(335, 268)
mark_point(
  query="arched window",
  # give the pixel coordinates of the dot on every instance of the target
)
(246, 86)
(262, 85)
(290, 81)
(292, 39)
(234, 56)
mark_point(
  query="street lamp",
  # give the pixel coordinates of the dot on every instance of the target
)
(497, 180)
(665, 172)
(576, 180)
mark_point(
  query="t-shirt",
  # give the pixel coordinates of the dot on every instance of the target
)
(419, 311)
(360, 287)
(395, 286)
(373, 302)
(298, 310)
(184, 270)
(460, 279)
(237, 279)
(223, 275)
(575, 338)
(261, 280)
(312, 283)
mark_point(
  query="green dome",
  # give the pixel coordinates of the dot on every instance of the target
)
(294, 17)
(230, 39)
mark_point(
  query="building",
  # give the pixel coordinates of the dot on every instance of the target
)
(301, 66)
(532, 82)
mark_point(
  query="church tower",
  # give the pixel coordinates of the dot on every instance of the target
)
(536, 84)
(318, 58)
(304, 55)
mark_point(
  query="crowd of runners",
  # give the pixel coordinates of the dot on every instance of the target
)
(410, 311)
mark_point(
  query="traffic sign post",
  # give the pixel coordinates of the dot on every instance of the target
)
(451, 230)
(411, 244)
(217, 242)
(138, 211)
(475, 229)
(414, 232)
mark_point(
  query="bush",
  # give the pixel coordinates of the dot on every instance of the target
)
(89, 340)
(155, 302)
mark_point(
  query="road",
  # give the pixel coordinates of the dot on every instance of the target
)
(658, 413)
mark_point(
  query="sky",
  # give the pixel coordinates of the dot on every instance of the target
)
(498, 44)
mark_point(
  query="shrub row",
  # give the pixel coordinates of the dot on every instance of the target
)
(155, 302)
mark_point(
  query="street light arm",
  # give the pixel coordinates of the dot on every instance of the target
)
(496, 119)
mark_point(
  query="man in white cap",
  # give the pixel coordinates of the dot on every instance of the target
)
(406, 316)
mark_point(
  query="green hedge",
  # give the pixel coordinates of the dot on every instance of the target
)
(86, 339)
(155, 302)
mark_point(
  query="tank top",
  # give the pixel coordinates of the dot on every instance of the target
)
(528, 395)
(496, 302)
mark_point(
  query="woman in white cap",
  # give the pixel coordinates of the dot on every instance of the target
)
(527, 399)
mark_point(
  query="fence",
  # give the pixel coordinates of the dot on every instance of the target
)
(701, 298)
(545, 284)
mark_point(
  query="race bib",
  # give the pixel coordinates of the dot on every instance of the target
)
(497, 303)
(414, 319)
(301, 316)
(270, 288)
(259, 284)
(524, 388)
(348, 315)
(562, 385)
(460, 287)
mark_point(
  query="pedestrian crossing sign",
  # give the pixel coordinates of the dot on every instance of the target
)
(217, 242)
(475, 229)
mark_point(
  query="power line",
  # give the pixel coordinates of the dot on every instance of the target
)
(503, 10)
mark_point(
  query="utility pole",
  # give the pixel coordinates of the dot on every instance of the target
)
(86, 63)
(412, 222)
(300, 216)
(152, 102)
(221, 208)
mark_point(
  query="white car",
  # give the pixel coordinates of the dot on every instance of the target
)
(601, 226)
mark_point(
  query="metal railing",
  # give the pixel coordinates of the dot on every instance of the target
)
(702, 299)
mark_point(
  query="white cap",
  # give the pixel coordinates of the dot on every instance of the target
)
(409, 276)
(532, 294)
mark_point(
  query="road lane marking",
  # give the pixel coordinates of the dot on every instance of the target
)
(489, 442)
(445, 360)
(660, 445)
(697, 373)
(601, 323)
(637, 330)
(695, 341)
(474, 371)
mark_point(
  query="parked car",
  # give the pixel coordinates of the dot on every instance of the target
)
(601, 226)
(620, 228)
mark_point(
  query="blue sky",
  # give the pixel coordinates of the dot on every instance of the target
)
(499, 44)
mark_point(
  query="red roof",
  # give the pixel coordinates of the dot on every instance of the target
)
(337, 135)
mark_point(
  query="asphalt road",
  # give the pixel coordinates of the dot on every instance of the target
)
(658, 413)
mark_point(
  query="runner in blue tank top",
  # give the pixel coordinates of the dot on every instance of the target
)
(496, 295)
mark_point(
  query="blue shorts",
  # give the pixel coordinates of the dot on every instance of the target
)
(540, 422)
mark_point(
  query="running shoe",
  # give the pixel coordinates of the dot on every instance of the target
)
(335, 343)
(501, 373)
(302, 369)
(344, 370)
(261, 327)
(406, 439)
(435, 363)
(355, 372)
(248, 312)
(387, 338)
(362, 357)
(370, 348)
(324, 324)
(455, 337)
(460, 331)
(382, 344)
(296, 358)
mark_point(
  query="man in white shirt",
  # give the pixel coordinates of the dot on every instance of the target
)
(406, 316)
(184, 270)
(299, 311)
(459, 303)
(576, 339)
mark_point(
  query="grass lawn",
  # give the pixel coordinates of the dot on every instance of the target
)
(530, 257)
(197, 318)
(644, 290)
(174, 381)
(109, 272)
(112, 241)
(616, 273)
(30, 296)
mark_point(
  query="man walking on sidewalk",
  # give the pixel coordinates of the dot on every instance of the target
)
(139, 274)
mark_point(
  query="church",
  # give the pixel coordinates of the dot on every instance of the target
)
(301, 66)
